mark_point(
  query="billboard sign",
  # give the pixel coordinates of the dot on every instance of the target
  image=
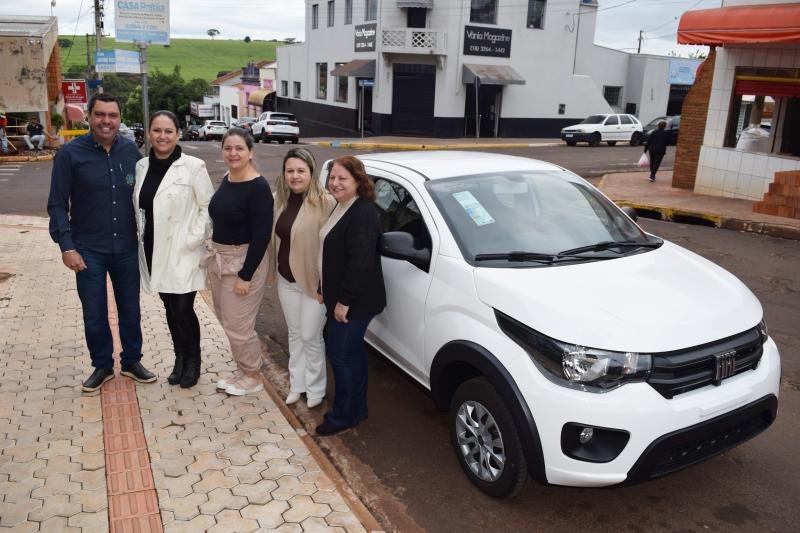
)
(365, 37)
(119, 61)
(146, 21)
(202, 110)
(74, 91)
(491, 42)
(682, 71)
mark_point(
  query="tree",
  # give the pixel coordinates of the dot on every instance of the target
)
(64, 42)
(697, 54)
(166, 91)
(247, 38)
(289, 40)
(213, 32)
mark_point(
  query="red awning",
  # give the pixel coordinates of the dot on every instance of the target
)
(772, 23)
(73, 112)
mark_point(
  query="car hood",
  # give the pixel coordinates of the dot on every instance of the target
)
(578, 125)
(664, 299)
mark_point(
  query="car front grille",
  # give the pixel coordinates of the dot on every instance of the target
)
(684, 370)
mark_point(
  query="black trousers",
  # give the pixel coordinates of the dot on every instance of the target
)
(655, 162)
(182, 321)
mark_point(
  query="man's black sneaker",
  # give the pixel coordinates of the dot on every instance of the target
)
(96, 380)
(138, 372)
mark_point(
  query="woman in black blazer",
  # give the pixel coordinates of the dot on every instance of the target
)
(352, 288)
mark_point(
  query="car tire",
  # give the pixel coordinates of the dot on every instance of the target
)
(571, 143)
(636, 138)
(295, 140)
(477, 407)
(264, 138)
(595, 138)
(612, 143)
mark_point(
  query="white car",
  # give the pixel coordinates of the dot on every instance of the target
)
(275, 126)
(610, 128)
(567, 343)
(212, 129)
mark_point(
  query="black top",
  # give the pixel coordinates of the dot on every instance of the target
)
(657, 142)
(351, 265)
(91, 196)
(152, 180)
(242, 214)
(34, 128)
(283, 229)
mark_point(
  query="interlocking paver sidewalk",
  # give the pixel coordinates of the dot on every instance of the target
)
(218, 463)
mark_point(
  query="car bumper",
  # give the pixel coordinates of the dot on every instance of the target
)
(659, 430)
(576, 137)
(283, 134)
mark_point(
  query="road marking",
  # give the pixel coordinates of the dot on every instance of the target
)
(190, 147)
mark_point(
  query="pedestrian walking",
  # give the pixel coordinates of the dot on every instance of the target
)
(171, 199)
(656, 145)
(352, 288)
(302, 206)
(241, 214)
(92, 220)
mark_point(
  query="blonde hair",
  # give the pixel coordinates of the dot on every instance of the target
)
(313, 193)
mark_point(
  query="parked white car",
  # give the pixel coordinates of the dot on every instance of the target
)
(567, 343)
(212, 129)
(610, 128)
(275, 126)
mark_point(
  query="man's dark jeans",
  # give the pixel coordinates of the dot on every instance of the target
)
(124, 271)
(344, 346)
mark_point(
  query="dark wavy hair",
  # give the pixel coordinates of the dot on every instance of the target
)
(239, 132)
(353, 165)
(164, 113)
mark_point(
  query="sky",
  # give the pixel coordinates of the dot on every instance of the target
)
(618, 21)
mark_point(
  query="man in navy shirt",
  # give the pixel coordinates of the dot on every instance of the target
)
(92, 220)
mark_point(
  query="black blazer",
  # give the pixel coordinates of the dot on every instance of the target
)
(657, 142)
(351, 264)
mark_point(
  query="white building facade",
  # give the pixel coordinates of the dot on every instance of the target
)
(439, 68)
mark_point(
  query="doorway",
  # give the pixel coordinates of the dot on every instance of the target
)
(489, 97)
(413, 96)
(364, 105)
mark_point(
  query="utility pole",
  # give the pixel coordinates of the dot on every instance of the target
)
(98, 37)
(142, 45)
(639, 50)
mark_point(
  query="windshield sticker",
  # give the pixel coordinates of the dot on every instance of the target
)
(473, 208)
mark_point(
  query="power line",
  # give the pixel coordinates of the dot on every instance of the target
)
(75, 32)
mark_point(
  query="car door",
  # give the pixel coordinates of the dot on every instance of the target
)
(399, 330)
(627, 127)
(611, 129)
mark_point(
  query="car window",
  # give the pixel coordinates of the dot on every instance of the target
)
(612, 121)
(281, 116)
(676, 121)
(625, 119)
(654, 123)
(216, 123)
(594, 119)
(398, 211)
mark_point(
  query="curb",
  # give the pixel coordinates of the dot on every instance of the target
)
(25, 158)
(684, 216)
(400, 146)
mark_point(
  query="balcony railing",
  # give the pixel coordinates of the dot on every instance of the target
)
(414, 41)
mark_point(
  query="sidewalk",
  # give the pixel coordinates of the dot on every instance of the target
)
(139, 457)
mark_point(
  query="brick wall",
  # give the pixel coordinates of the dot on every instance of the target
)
(783, 197)
(693, 126)
(53, 86)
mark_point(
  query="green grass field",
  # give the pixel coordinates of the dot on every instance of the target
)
(198, 58)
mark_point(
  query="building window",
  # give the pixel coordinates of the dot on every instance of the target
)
(613, 95)
(348, 11)
(341, 86)
(331, 10)
(315, 16)
(322, 81)
(371, 10)
(483, 11)
(234, 111)
(284, 88)
(296, 89)
(536, 13)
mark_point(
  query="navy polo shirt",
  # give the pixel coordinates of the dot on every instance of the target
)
(91, 196)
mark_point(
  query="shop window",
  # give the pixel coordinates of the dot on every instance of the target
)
(415, 18)
(613, 95)
(483, 11)
(348, 11)
(370, 10)
(341, 86)
(331, 11)
(536, 13)
(315, 16)
(322, 81)
(284, 88)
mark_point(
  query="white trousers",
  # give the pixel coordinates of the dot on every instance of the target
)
(305, 318)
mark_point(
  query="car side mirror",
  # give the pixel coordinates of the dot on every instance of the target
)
(400, 245)
(631, 212)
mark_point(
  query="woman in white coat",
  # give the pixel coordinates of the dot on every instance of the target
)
(171, 199)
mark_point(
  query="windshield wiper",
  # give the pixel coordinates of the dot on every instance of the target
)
(606, 245)
(517, 256)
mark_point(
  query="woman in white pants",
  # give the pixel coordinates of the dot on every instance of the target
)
(301, 208)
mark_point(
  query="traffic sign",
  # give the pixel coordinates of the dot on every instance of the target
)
(74, 91)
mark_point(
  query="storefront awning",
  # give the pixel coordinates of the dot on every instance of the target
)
(752, 24)
(491, 75)
(73, 112)
(357, 68)
(257, 97)
(427, 4)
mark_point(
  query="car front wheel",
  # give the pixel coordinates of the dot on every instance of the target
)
(486, 440)
(264, 138)
(595, 139)
(636, 139)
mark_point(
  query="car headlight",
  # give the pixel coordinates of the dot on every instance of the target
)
(574, 366)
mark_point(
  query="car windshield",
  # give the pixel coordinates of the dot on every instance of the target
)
(654, 123)
(216, 124)
(594, 119)
(533, 215)
(281, 116)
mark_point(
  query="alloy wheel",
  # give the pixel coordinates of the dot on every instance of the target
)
(480, 441)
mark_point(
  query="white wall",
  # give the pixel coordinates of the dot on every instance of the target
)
(648, 81)
(228, 97)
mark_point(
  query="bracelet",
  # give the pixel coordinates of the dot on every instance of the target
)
(69, 252)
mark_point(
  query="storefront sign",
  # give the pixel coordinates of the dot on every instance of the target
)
(492, 42)
(201, 110)
(120, 61)
(74, 91)
(366, 37)
(142, 20)
(682, 71)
